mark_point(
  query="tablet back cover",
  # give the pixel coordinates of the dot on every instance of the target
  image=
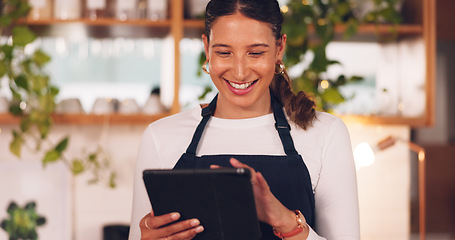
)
(222, 199)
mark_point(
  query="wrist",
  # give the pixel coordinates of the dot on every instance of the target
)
(291, 228)
(286, 223)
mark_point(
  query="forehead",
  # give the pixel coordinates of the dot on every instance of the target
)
(238, 29)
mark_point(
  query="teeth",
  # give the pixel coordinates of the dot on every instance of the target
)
(240, 86)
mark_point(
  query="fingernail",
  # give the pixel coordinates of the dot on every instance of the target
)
(195, 222)
(199, 229)
(175, 216)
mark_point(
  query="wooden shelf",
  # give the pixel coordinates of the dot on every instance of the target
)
(404, 29)
(385, 120)
(101, 22)
(88, 119)
(141, 119)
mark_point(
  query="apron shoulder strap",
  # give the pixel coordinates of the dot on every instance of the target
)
(283, 127)
(206, 113)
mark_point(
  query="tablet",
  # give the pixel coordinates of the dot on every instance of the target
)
(222, 199)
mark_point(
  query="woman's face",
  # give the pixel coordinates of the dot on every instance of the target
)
(242, 53)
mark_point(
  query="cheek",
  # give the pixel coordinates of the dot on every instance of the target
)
(265, 68)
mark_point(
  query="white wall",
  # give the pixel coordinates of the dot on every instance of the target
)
(73, 207)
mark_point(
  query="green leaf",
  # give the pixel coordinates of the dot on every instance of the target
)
(22, 36)
(355, 79)
(41, 58)
(3, 68)
(51, 156)
(320, 61)
(25, 124)
(44, 126)
(78, 167)
(8, 51)
(351, 28)
(15, 109)
(22, 82)
(16, 144)
(92, 157)
(40, 221)
(54, 90)
(112, 178)
(61, 146)
(5, 21)
(332, 96)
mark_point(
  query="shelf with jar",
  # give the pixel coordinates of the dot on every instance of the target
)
(94, 119)
(101, 11)
(419, 16)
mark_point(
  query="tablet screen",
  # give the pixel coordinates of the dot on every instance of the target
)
(222, 199)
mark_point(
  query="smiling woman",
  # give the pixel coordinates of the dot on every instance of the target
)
(242, 65)
(298, 158)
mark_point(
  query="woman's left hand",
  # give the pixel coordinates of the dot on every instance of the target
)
(269, 209)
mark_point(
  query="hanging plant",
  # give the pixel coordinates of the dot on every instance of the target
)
(33, 97)
(322, 16)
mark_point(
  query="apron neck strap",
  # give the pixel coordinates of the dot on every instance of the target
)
(281, 125)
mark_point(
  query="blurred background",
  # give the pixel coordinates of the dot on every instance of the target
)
(120, 65)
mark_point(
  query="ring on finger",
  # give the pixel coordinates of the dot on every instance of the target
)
(146, 225)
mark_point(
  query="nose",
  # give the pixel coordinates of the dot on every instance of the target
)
(240, 68)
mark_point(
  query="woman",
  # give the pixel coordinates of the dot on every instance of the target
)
(300, 160)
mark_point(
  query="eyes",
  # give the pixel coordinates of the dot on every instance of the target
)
(226, 54)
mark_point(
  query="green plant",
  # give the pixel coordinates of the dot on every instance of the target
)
(322, 16)
(33, 96)
(22, 222)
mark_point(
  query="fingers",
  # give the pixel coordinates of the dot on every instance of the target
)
(237, 164)
(163, 227)
(152, 222)
(261, 181)
(181, 230)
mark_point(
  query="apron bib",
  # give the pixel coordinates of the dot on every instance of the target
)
(287, 175)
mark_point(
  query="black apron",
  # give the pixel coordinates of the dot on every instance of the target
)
(287, 175)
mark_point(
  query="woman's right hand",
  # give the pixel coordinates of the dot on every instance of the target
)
(165, 227)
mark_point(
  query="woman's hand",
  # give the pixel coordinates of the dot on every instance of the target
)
(165, 227)
(269, 209)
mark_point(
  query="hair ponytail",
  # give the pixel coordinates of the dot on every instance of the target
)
(299, 107)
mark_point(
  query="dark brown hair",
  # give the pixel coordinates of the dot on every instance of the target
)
(299, 107)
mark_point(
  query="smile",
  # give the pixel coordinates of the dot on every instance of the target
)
(241, 86)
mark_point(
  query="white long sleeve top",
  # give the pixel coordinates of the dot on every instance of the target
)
(325, 148)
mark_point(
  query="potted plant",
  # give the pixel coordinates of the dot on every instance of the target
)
(22, 222)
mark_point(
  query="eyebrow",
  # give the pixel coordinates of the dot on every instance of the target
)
(252, 45)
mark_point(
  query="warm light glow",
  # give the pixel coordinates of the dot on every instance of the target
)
(22, 105)
(363, 155)
(321, 21)
(325, 84)
(284, 9)
(305, 2)
(401, 107)
(421, 155)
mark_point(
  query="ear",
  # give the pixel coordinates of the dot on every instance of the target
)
(281, 47)
(206, 45)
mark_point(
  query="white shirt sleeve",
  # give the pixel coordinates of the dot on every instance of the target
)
(142, 206)
(337, 211)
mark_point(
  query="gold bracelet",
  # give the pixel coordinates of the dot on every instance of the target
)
(294, 232)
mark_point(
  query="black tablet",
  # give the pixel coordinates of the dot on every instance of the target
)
(222, 199)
